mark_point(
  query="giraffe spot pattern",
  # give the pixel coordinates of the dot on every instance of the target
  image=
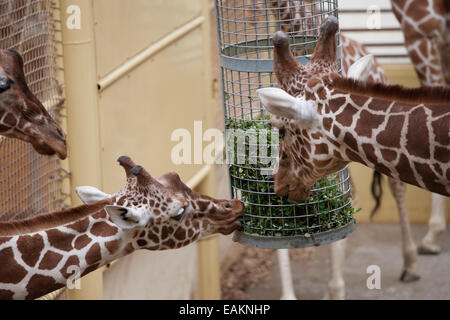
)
(441, 130)
(103, 229)
(4, 239)
(30, 247)
(60, 240)
(40, 285)
(180, 234)
(405, 171)
(113, 246)
(417, 134)
(50, 260)
(350, 141)
(94, 254)
(6, 294)
(367, 122)
(388, 155)
(369, 151)
(72, 261)
(80, 226)
(429, 178)
(10, 271)
(390, 136)
(82, 241)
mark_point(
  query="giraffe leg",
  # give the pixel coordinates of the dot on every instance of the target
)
(336, 285)
(409, 248)
(287, 284)
(436, 225)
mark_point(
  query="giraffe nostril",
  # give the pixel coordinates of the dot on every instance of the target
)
(61, 133)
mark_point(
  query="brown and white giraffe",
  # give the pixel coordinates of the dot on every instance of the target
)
(22, 116)
(426, 25)
(40, 255)
(300, 17)
(403, 133)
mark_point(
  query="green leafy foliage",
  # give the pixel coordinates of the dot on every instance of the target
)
(266, 214)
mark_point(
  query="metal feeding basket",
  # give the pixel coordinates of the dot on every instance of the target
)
(245, 28)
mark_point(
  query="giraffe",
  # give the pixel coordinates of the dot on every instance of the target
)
(425, 25)
(40, 255)
(22, 116)
(300, 18)
(402, 133)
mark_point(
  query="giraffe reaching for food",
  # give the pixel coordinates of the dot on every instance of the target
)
(22, 116)
(39, 255)
(403, 133)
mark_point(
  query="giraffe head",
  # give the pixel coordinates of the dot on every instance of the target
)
(22, 115)
(164, 213)
(304, 153)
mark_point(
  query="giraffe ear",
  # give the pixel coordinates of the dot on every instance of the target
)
(91, 194)
(126, 218)
(360, 70)
(280, 103)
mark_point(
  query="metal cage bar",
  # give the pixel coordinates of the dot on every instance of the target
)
(244, 29)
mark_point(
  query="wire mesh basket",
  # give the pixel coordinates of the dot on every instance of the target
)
(245, 28)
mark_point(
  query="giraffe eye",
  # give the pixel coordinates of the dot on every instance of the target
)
(4, 84)
(179, 214)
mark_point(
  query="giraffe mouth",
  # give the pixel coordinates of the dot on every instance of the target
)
(58, 147)
(50, 141)
(229, 219)
(295, 192)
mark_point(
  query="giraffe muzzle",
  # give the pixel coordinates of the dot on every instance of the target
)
(229, 213)
(51, 141)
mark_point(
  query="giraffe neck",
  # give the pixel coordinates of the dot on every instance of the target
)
(34, 264)
(37, 259)
(405, 141)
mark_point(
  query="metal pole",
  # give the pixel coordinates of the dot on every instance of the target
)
(208, 248)
(83, 114)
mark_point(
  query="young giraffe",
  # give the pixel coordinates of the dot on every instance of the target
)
(403, 133)
(22, 116)
(426, 26)
(39, 255)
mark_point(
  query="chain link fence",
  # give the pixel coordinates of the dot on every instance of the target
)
(30, 183)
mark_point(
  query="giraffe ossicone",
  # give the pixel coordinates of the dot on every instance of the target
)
(149, 213)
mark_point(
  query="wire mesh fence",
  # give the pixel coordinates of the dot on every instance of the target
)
(31, 183)
(245, 28)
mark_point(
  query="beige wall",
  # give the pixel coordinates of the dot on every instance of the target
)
(137, 116)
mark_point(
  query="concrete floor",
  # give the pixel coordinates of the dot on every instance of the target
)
(371, 244)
